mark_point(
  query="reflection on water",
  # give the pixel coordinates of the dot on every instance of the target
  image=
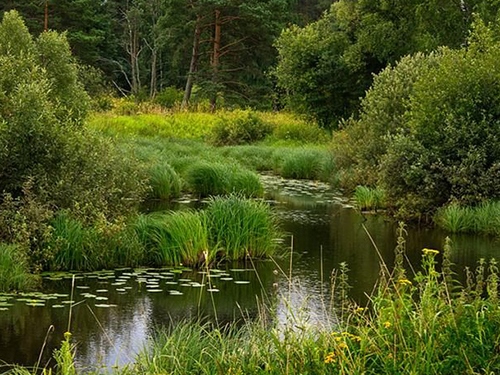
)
(117, 311)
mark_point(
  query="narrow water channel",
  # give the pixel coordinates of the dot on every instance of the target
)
(114, 312)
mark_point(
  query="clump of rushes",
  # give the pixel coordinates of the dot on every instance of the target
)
(174, 238)
(239, 227)
(14, 270)
(484, 218)
(207, 179)
(304, 163)
(164, 181)
(367, 198)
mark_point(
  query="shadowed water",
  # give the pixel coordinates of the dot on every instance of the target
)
(114, 312)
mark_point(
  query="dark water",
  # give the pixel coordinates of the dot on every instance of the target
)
(115, 312)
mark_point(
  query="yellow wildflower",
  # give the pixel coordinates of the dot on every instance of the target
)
(359, 310)
(356, 338)
(387, 324)
(404, 282)
(342, 346)
(330, 358)
(430, 252)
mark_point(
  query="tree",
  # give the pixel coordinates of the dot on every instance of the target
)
(356, 39)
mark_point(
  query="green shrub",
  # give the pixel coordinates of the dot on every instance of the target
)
(239, 127)
(239, 227)
(14, 269)
(361, 144)
(169, 97)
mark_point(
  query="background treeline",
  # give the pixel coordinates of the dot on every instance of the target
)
(212, 49)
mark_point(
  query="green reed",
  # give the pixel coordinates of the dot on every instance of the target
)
(367, 198)
(484, 218)
(239, 227)
(164, 181)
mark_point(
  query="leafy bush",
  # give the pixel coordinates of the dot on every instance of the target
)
(48, 161)
(452, 152)
(239, 127)
(360, 145)
(169, 97)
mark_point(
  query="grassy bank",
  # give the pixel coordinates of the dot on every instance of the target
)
(424, 323)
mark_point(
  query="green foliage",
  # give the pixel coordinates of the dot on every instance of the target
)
(169, 97)
(239, 127)
(240, 227)
(361, 144)
(251, 156)
(452, 149)
(14, 269)
(43, 105)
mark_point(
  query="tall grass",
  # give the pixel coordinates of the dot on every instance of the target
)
(239, 227)
(484, 218)
(367, 198)
(251, 156)
(14, 270)
(213, 178)
(164, 181)
(426, 325)
(190, 125)
(103, 245)
(304, 163)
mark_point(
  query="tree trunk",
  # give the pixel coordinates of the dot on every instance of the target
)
(215, 60)
(193, 66)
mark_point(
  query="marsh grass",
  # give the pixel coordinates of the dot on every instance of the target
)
(367, 198)
(423, 324)
(213, 178)
(14, 269)
(254, 157)
(188, 235)
(304, 163)
(189, 125)
(484, 218)
(164, 181)
(239, 227)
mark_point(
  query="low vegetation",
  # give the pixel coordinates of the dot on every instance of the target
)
(484, 218)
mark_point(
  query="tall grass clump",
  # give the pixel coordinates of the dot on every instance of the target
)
(14, 269)
(240, 227)
(174, 238)
(304, 163)
(164, 181)
(484, 218)
(213, 178)
(188, 237)
(207, 178)
(367, 198)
